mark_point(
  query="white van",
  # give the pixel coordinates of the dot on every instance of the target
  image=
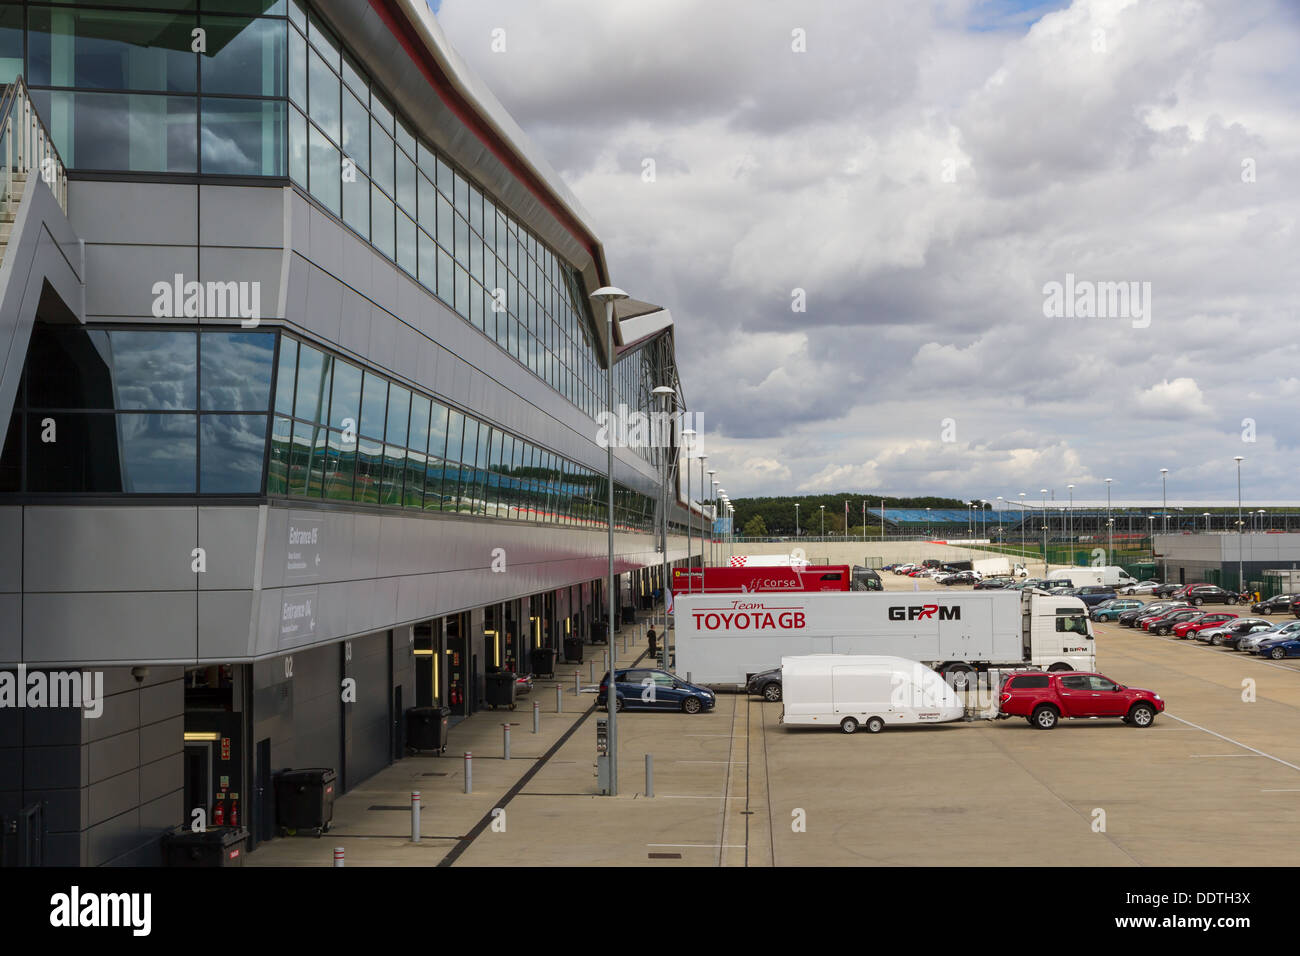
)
(1110, 575)
(861, 690)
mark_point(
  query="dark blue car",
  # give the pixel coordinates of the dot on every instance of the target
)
(1289, 647)
(646, 688)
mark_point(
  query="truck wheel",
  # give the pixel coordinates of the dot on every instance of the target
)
(772, 692)
(849, 725)
(1142, 715)
(874, 725)
(1058, 667)
(1045, 717)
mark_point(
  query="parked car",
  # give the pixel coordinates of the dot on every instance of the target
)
(1166, 590)
(1164, 624)
(1142, 587)
(1250, 642)
(1226, 635)
(1112, 609)
(1277, 650)
(1187, 628)
(1278, 604)
(766, 684)
(1199, 594)
(959, 577)
(997, 582)
(645, 688)
(1044, 698)
(1133, 618)
(1094, 594)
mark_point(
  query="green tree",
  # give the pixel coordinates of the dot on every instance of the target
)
(755, 527)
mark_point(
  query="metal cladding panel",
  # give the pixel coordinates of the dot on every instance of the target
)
(124, 626)
(241, 216)
(134, 213)
(324, 310)
(124, 276)
(90, 548)
(228, 537)
(224, 621)
(11, 549)
(264, 267)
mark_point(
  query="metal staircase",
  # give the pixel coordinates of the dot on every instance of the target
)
(27, 149)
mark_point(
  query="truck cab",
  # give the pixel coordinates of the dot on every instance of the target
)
(1058, 633)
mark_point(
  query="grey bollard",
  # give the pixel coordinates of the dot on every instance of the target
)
(505, 741)
(559, 705)
(415, 816)
(607, 660)
(577, 683)
(469, 772)
(338, 856)
(649, 775)
(591, 671)
(537, 716)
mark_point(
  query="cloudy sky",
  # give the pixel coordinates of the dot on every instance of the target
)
(923, 172)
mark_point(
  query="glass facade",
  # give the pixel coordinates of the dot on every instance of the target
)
(168, 411)
(124, 86)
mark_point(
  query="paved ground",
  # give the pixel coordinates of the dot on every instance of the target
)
(1216, 781)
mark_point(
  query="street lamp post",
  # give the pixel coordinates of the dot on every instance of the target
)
(1164, 520)
(1024, 549)
(1110, 524)
(1241, 542)
(796, 519)
(1069, 534)
(822, 509)
(609, 295)
(665, 397)
(704, 489)
(1043, 492)
(1000, 541)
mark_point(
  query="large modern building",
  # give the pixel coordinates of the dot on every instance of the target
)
(300, 376)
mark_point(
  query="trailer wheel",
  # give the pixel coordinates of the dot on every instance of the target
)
(874, 725)
(959, 676)
(1045, 717)
(772, 691)
(849, 725)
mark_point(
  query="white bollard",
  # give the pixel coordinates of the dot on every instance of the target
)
(415, 816)
(577, 683)
(505, 741)
(559, 706)
(338, 856)
(469, 772)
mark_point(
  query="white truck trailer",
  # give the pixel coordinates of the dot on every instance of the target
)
(993, 567)
(723, 639)
(1111, 575)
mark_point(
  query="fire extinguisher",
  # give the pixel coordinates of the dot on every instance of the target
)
(234, 812)
(219, 815)
(455, 695)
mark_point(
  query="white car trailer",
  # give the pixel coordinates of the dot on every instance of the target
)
(869, 691)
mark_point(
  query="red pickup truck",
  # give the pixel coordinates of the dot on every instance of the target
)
(1043, 699)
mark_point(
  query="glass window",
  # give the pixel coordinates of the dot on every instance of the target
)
(323, 40)
(445, 234)
(399, 409)
(137, 132)
(445, 179)
(340, 466)
(243, 137)
(383, 224)
(461, 197)
(390, 491)
(405, 138)
(244, 56)
(416, 465)
(298, 14)
(369, 471)
(381, 158)
(461, 249)
(374, 405)
(236, 371)
(298, 147)
(355, 78)
(284, 386)
(356, 203)
(446, 276)
(157, 453)
(419, 432)
(462, 292)
(313, 392)
(427, 210)
(325, 171)
(154, 370)
(323, 96)
(382, 111)
(427, 253)
(230, 453)
(438, 430)
(406, 243)
(277, 472)
(346, 401)
(405, 176)
(356, 131)
(111, 50)
(297, 68)
(11, 43)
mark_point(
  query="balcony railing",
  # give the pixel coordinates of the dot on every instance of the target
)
(27, 147)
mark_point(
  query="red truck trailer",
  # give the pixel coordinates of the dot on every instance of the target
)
(831, 577)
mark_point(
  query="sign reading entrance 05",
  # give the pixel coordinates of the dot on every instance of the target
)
(919, 612)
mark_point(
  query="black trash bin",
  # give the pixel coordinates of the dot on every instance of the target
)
(215, 846)
(426, 728)
(573, 650)
(501, 689)
(647, 602)
(629, 614)
(599, 634)
(543, 661)
(304, 800)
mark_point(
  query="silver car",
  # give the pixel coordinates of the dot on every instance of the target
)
(1250, 643)
(1241, 626)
